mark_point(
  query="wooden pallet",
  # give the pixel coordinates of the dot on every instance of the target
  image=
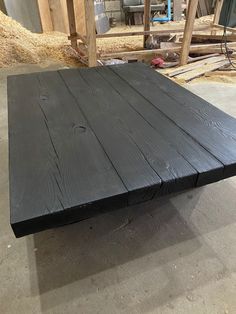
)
(84, 141)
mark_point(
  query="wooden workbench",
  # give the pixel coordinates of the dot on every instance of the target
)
(89, 140)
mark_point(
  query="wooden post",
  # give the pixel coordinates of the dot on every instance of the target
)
(90, 32)
(45, 16)
(147, 18)
(72, 23)
(218, 8)
(188, 30)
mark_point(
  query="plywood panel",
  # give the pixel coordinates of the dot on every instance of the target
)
(59, 16)
(45, 15)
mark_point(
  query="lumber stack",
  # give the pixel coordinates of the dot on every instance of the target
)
(196, 69)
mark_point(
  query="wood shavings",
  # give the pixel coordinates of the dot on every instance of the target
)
(19, 45)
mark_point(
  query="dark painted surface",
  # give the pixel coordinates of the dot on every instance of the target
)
(85, 141)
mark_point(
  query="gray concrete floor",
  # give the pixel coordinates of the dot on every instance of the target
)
(172, 255)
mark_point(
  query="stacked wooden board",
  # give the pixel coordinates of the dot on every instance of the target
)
(84, 141)
(188, 72)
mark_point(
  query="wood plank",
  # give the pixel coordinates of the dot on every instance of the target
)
(210, 48)
(218, 7)
(199, 107)
(59, 173)
(177, 104)
(64, 14)
(190, 60)
(85, 141)
(90, 32)
(80, 17)
(129, 161)
(208, 168)
(196, 72)
(45, 15)
(72, 22)
(151, 32)
(206, 38)
(147, 18)
(229, 29)
(229, 73)
(197, 64)
(174, 171)
(175, 65)
(188, 30)
(57, 16)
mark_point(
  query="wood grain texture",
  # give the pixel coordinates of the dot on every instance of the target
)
(90, 32)
(60, 24)
(218, 7)
(188, 30)
(71, 21)
(178, 105)
(194, 73)
(56, 160)
(194, 65)
(126, 156)
(146, 142)
(209, 168)
(45, 15)
(85, 141)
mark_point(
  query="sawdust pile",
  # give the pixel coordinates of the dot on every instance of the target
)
(18, 45)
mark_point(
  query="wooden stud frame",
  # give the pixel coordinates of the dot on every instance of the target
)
(90, 39)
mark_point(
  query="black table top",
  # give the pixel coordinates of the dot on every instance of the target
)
(89, 140)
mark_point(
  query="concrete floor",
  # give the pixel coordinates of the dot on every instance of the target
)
(172, 255)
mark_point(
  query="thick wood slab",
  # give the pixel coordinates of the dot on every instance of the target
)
(89, 140)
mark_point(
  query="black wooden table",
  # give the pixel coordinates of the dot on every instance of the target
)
(90, 140)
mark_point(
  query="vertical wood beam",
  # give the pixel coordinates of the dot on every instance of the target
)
(65, 16)
(72, 23)
(90, 32)
(216, 18)
(45, 15)
(218, 7)
(147, 18)
(188, 30)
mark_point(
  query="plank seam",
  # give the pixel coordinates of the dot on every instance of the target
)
(85, 117)
(56, 159)
(130, 137)
(201, 117)
(169, 118)
(172, 147)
